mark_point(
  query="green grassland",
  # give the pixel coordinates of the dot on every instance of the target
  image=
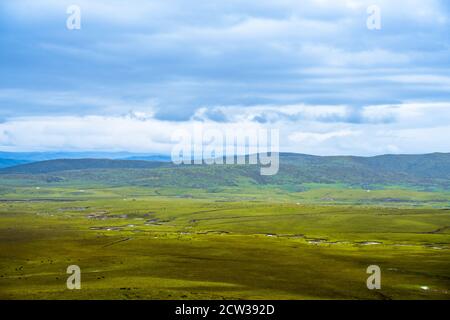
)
(229, 241)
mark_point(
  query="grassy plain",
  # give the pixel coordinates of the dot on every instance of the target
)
(231, 243)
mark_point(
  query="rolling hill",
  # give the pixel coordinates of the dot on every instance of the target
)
(5, 163)
(50, 155)
(61, 165)
(426, 171)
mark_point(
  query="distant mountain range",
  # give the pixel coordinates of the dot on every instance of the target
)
(25, 157)
(430, 170)
(61, 165)
(5, 163)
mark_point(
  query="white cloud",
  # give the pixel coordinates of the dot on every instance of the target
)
(137, 131)
(409, 115)
(312, 138)
(421, 79)
(114, 12)
(274, 113)
(411, 132)
(301, 113)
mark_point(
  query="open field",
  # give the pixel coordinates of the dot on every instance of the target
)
(261, 243)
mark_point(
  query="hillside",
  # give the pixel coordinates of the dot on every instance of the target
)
(426, 171)
(5, 163)
(62, 165)
(43, 156)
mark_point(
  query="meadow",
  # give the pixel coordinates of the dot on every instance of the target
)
(247, 242)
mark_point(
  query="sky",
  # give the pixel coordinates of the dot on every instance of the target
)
(138, 70)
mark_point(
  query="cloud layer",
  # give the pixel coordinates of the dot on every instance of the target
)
(310, 67)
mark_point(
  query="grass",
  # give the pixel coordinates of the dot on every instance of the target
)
(229, 243)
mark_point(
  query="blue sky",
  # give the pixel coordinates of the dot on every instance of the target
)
(138, 70)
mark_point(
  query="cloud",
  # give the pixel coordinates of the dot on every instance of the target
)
(311, 67)
(314, 137)
(296, 113)
(413, 131)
